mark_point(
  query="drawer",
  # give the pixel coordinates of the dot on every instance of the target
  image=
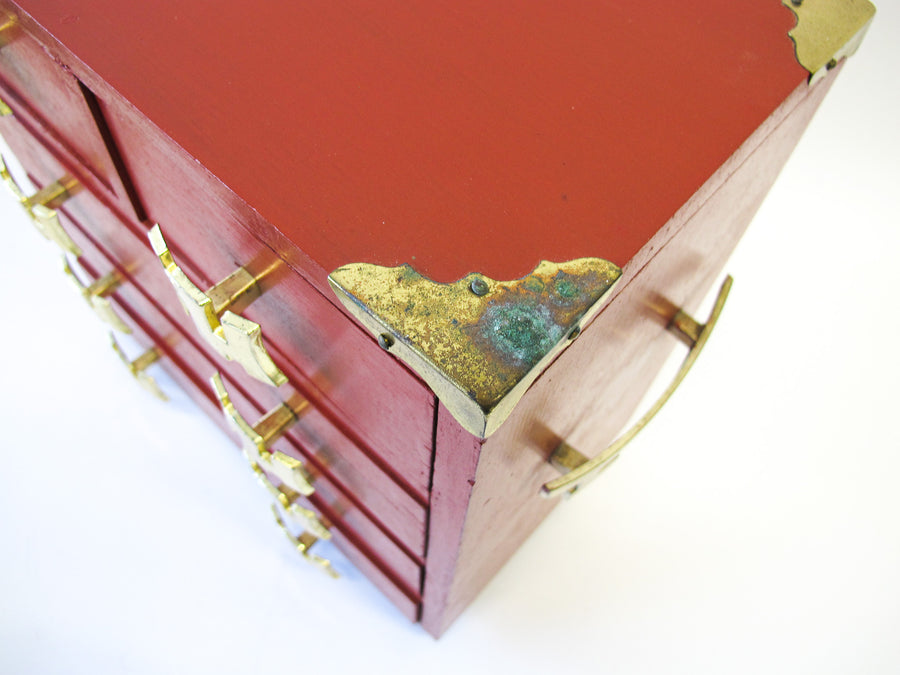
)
(50, 100)
(328, 356)
(338, 452)
(208, 230)
(364, 543)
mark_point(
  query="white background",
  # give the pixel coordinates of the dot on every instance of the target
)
(754, 527)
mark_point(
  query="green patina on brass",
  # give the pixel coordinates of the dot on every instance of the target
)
(477, 342)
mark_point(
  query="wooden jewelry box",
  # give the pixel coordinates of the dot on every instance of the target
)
(423, 262)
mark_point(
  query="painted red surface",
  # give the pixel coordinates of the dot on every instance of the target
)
(51, 101)
(329, 358)
(486, 499)
(372, 501)
(455, 136)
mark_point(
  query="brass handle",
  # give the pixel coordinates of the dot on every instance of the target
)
(255, 439)
(41, 207)
(137, 367)
(581, 470)
(296, 481)
(230, 334)
(303, 543)
(287, 499)
(97, 296)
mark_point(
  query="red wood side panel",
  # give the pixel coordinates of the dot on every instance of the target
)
(455, 136)
(593, 387)
(456, 459)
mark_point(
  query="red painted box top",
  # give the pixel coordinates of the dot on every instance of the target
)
(455, 136)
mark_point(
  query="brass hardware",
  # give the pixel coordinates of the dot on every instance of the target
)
(137, 367)
(303, 543)
(580, 469)
(41, 207)
(827, 31)
(8, 30)
(287, 499)
(478, 343)
(230, 334)
(255, 439)
(96, 295)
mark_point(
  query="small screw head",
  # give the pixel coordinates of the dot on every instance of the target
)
(478, 286)
(385, 341)
(574, 333)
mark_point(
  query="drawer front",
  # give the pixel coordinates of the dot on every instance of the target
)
(330, 450)
(364, 532)
(361, 540)
(206, 227)
(48, 99)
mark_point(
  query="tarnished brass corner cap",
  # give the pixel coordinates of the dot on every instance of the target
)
(478, 343)
(828, 31)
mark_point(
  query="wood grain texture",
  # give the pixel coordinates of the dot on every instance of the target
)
(587, 395)
(456, 461)
(438, 133)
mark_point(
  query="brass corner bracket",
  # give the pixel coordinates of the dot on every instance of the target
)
(478, 343)
(827, 31)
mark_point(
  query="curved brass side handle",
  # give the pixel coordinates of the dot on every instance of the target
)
(137, 367)
(230, 334)
(303, 543)
(255, 439)
(97, 296)
(41, 207)
(581, 470)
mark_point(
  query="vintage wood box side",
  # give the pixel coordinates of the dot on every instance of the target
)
(486, 494)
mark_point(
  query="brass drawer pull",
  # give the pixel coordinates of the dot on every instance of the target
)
(303, 543)
(230, 334)
(97, 296)
(581, 470)
(284, 495)
(255, 439)
(137, 367)
(41, 207)
(287, 499)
